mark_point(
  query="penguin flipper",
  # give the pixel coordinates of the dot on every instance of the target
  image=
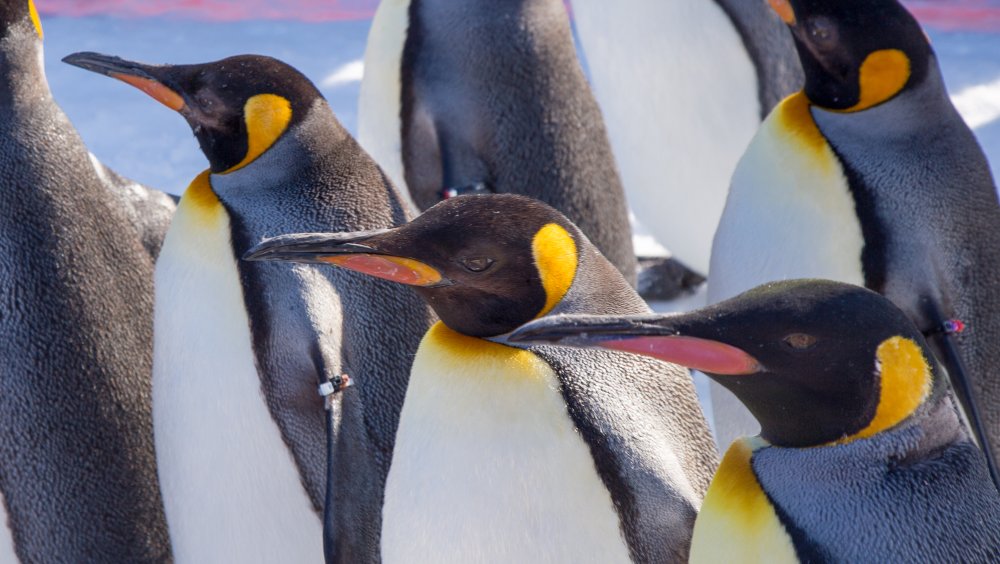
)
(666, 278)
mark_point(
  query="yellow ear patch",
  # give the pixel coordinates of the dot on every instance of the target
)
(35, 19)
(267, 117)
(883, 74)
(906, 383)
(555, 258)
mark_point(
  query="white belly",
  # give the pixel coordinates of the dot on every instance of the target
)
(7, 555)
(488, 466)
(679, 97)
(230, 487)
(380, 103)
(790, 212)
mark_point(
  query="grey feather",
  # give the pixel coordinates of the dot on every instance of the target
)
(77, 467)
(493, 93)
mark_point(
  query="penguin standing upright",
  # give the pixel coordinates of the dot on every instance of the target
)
(683, 85)
(508, 454)
(862, 456)
(241, 347)
(869, 176)
(488, 96)
(77, 468)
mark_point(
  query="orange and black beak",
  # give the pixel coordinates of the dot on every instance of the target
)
(367, 252)
(680, 339)
(151, 79)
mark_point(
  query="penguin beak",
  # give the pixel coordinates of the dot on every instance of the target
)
(670, 338)
(784, 10)
(148, 78)
(362, 252)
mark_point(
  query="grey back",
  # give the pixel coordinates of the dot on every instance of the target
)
(931, 221)
(77, 467)
(641, 419)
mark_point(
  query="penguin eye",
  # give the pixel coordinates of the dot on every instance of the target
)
(477, 264)
(822, 31)
(800, 341)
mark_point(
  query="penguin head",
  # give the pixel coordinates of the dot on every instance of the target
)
(237, 107)
(486, 264)
(856, 54)
(13, 12)
(816, 362)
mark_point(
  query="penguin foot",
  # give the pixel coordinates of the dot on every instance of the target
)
(666, 278)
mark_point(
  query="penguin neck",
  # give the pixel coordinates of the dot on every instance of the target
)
(22, 69)
(923, 106)
(307, 146)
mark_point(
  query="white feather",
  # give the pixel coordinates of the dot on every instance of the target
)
(679, 98)
(488, 466)
(230, 487)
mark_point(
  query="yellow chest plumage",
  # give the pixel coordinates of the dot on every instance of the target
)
(737, 523)
(488, 465)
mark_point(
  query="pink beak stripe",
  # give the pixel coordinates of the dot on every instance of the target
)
(396, 269)
(701, 354)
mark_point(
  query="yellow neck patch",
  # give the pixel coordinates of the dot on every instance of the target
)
(199, 201)
(35, 19)
(737, 523)
(267, 117)
(463, 352)
(883, 74)
(906, 383)
(555, 258)
(795, 118)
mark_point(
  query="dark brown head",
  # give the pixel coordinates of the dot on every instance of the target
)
(485, 264)
(237, 107)
(856, 54)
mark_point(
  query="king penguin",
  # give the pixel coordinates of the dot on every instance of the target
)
(508, 454)
(869, 176)
(862, 456)
(240, 347)
(488, 96)
(77, 468)
(683, 86)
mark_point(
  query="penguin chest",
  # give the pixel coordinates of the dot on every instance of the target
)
(488, 466)
(790, 212)
(737, 522)
(230, 488)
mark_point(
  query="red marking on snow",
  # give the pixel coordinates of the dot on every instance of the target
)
(978, 15)
(215, 10)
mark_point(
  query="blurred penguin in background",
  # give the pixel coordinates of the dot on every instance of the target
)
(683, 86)
(77, 468)
(488, 96)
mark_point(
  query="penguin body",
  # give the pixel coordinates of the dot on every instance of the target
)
(683, 86)
(862, 455)
(507, 453)
(898, 195)
(77, 467)
(240, 428)
(508, 112)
